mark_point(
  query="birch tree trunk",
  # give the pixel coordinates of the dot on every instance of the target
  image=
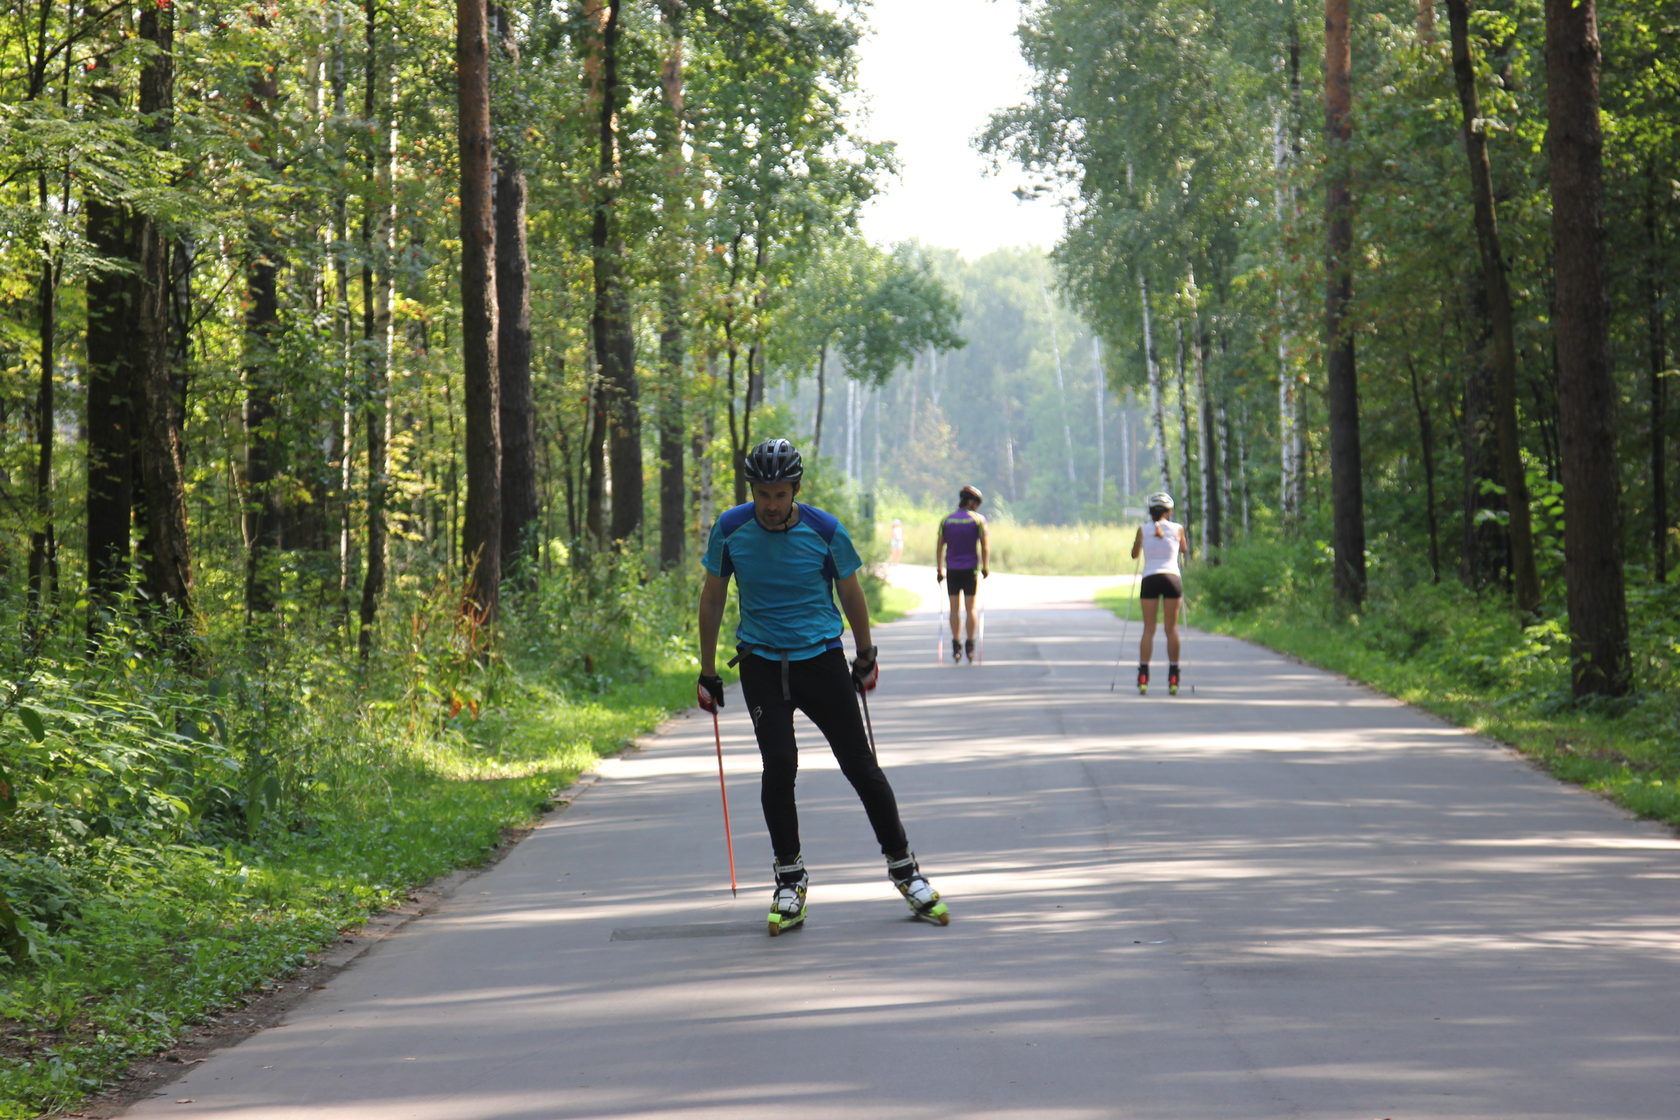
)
(1061, 383)
(1207, 447)
(1100, 405)
(1186, 431)
(1152, 370)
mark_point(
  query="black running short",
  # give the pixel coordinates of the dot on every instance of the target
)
(1161, 585)
(961, 581)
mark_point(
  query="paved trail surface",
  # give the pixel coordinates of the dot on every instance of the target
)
(1277, 896)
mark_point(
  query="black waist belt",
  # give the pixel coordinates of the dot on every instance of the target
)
(744, 649)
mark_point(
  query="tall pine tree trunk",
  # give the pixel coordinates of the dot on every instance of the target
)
(672, 334)
(167, 562)
(481, 538)
(1426, 450)
(513, 344)
(1656, 349)
(1600, 659)
(379, 283)
(1499, 357)
(263, 470)
(614, 332)
(112, 408)
(1347, 494)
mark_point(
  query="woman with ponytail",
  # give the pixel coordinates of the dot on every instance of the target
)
(1160, 543)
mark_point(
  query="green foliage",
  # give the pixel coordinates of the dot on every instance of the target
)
(176, 841)
(1254, 576)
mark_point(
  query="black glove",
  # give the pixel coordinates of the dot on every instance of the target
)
(708, 691)
(939, 575)
(865, 673)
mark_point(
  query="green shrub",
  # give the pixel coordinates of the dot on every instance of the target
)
(1250, 577)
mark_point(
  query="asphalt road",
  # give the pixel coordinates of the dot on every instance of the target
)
(1278, 895)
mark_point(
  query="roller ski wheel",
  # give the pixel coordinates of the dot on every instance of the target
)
(918, 893)
(938, 915)
(787, 906)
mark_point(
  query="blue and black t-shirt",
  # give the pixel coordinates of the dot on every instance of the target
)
(786, 579)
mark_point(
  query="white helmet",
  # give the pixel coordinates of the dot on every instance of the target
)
(1160, 498)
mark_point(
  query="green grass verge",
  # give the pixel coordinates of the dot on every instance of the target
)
(895, 603)
(202, 929)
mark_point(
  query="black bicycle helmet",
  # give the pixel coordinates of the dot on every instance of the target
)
(970, 493)
(774, 460)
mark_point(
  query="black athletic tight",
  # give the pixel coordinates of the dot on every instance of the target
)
(821, 687)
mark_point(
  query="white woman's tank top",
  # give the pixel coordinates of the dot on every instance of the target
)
(1160, 548)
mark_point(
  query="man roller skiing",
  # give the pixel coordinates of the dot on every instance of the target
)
(960, 549)
(789, 560)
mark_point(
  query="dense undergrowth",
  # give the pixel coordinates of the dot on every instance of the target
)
(174, 836)
(172, 839)
(1468, 659)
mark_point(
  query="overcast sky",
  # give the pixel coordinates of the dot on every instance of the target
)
(932, 71)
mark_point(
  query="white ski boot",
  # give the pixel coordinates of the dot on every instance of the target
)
(917, 891)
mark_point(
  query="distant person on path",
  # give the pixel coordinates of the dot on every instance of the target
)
(1160, 543)
(788, 561)
(959, 550)
(897, 542)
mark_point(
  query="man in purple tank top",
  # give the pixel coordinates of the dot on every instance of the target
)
(959, 550)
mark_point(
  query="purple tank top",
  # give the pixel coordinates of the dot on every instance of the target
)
(962, 539)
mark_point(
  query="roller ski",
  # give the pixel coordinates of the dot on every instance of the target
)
(1143, 680)
(918, 893)
(787, 908)
(956, 652)
(968, 648)
(1172, 680)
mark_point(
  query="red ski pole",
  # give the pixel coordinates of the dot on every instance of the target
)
(728, 840)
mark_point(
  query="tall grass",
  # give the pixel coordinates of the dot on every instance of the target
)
(1071, 550)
